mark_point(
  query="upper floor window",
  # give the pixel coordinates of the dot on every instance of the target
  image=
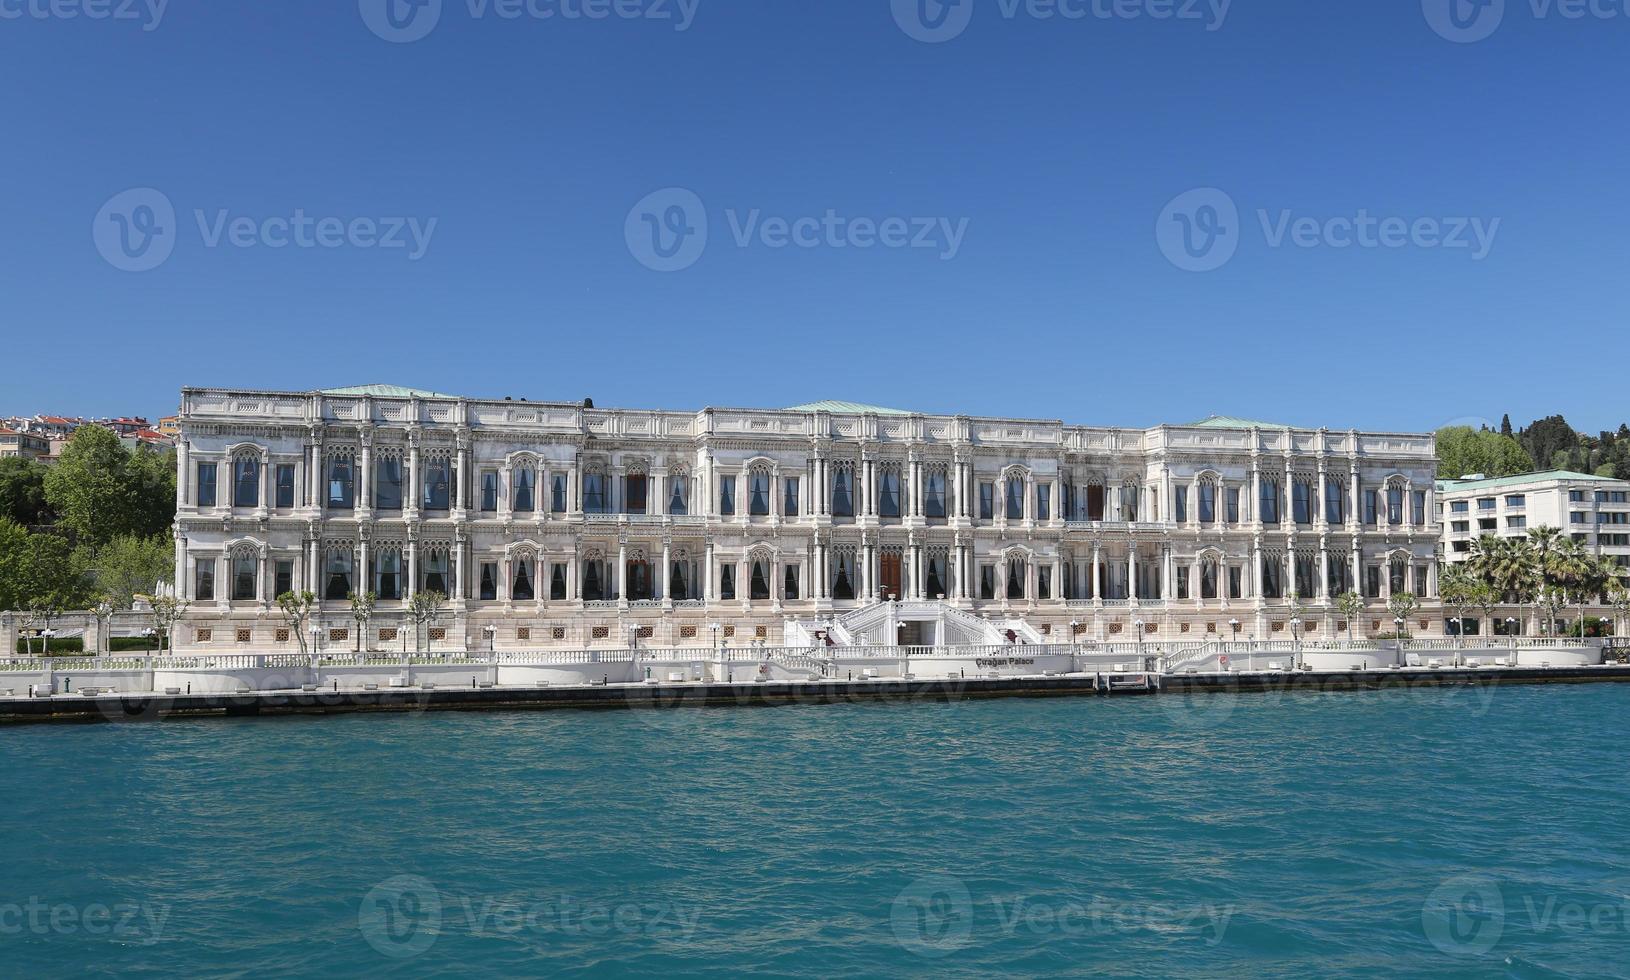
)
(1395, 505)
(1459, 507)
(1015, 498)
(758, 494)
(438, 482)
(594, 493)
(987, 501)
(1208, 502)
(1231, 505)
(337, 577)
(489, 491)
(789, 497)
(843, 501)
(934, 495)
(557, 493)
(1301, 502)
(246, 483)
(1516, 500)
(1483, 503)
(1370, 505)
(1418, 507)
(341, 484)
(203, 585)
(888, 493)
(1044, 502)
(1129, 503)
(388, 492)
(243, 576)
(1180, 505)
(727, 495)
(676, 496)
(1334, 512)
(206, 484)
(523, 491)
(1576, 496)
(1269, 508)
(634, 492)
(284, 478)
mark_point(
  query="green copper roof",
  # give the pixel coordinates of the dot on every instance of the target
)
(846, 408)
(385, 391)
(1566, 476)
(1229, 422)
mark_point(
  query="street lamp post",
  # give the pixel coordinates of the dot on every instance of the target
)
(1137, 626)
(1398, 621)
(1296, 640)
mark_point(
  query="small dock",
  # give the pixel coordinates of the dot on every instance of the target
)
(98, 706)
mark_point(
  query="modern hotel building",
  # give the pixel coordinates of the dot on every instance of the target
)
(561, 524)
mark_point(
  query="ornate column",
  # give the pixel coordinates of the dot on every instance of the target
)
(622, 571)
(1132, 571)
(1097, 578)
(410, 506)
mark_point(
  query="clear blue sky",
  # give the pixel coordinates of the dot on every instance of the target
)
(1058, 141)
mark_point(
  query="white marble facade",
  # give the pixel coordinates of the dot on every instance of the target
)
(555, 524)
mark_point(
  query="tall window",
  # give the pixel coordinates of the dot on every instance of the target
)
(284, 478)
(1395, 576)
(1231, 505)
(987, 581)
(283, 578)
(727, 581)
(1180, 504)
(203, 585)
(1395, 505)
(679, 581)
(1269, 505)
(594, 582)
(388, 483)
(987, 501)
(934, 494)
(438, 484)
(843, 500)
(1307, 578)
(1334, 511)
(557, 582)
(758, 586)
(1129, 503)
(341, 484)
(1015, 578)
(676, 496)
(337, 581)
(524, 502)
(489, 581)
(758, 494)
(1301, 502)
(727, 495)
(1208, 502)
(1015, 499)
(789, 497)
(1418, 507)
(1272, 578)
(489, 491)
(1044, 582)
(789, 583)
(243, 576)
(634, 492)
(594, 493)
(521, 588)
(1370, 507)
(245, 482)
(843, 576)
(557, 493)
(1044, 502)
(888, 493)
(1208, 579)
(206, 484)
(388, 573)
(435, 572)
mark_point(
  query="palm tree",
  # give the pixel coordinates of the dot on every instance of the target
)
(1510, 566)
(1457, 588)
(1546, 542)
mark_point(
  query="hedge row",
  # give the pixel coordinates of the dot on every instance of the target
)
(76, 644)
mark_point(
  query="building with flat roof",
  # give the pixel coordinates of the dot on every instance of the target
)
(555, 523)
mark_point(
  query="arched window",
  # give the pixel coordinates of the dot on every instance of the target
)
(1208, 577)
(1015, 578)
(388, 481)
(435, 571)
(1268, 507)
(438, 484)
(243, 574)
(387, 572)
(337, 579)
(341, 482)
(521, 589)
(678, 491)
(1208, 501)
(843, 574)
(246, 482)
(678, 581)
(934, 577)
(640, 583)
(594, 588)
(843, 499)
(1302, 503)
(759, 580)
(1335, 501)
(934, 483)
(888, 490)
(1395, 503)
(1015, 498)
(758, 493)
(524, 502)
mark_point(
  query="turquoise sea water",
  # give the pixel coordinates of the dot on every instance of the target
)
(1477, 832)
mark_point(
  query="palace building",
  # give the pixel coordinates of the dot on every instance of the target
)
(554, 524)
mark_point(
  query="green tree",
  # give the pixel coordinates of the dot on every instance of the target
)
(22, 491)
(89, 488)
(38, 574)
(129, 566)
(1463, 450)
(151, 478)
(1351, 606)
(1457, 588)
(297, 607)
